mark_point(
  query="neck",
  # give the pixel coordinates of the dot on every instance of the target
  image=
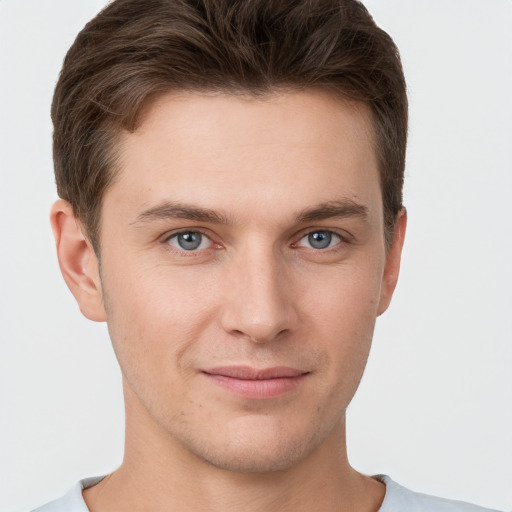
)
(160, 474)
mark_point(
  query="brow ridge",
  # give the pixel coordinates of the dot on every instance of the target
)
(175, 210)
(343, 208)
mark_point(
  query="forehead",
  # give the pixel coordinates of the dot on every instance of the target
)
(289, 150)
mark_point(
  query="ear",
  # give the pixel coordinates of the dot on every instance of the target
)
(393, 257)
(77, 260)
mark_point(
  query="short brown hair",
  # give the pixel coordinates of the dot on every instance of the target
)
(134, 50)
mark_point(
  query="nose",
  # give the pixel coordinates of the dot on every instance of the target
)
(258, 303)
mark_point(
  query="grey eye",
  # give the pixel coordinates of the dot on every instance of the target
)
(320, 239)
(189, 241)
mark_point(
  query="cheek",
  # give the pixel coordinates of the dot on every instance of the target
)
(154, 316)
(346, 298)
(341, 316)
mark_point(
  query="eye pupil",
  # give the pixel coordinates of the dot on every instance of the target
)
(320, 239)
(190, 240)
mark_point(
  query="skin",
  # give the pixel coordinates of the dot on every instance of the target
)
(255, 178)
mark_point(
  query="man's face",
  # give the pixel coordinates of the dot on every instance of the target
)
(243, 267)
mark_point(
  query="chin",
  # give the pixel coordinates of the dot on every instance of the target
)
(257, 450)
(250, 459)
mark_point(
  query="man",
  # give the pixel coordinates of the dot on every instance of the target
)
(230, 178)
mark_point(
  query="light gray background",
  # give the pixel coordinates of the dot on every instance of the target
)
(434, 410)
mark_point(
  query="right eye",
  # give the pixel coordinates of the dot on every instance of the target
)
(189, 241)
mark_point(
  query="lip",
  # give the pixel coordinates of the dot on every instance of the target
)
(256, 383)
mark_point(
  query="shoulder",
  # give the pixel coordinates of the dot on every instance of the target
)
(400, 499)
(73, 501)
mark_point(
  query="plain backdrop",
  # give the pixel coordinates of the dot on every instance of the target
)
(434, 409)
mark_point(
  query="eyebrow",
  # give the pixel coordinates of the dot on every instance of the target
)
(344, 208)
(173, 210)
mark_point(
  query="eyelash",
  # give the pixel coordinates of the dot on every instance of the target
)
(340, 241)
(185, 232)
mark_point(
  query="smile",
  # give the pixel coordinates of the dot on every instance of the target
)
(256, 384)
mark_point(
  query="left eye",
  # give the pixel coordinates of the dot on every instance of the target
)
(189, 241)
(320, 240)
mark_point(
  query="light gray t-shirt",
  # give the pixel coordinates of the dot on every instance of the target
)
(397, 499)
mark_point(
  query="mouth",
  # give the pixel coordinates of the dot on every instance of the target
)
(256, 383)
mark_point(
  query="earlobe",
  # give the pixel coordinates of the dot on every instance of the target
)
(77, 260)
(393, 258)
